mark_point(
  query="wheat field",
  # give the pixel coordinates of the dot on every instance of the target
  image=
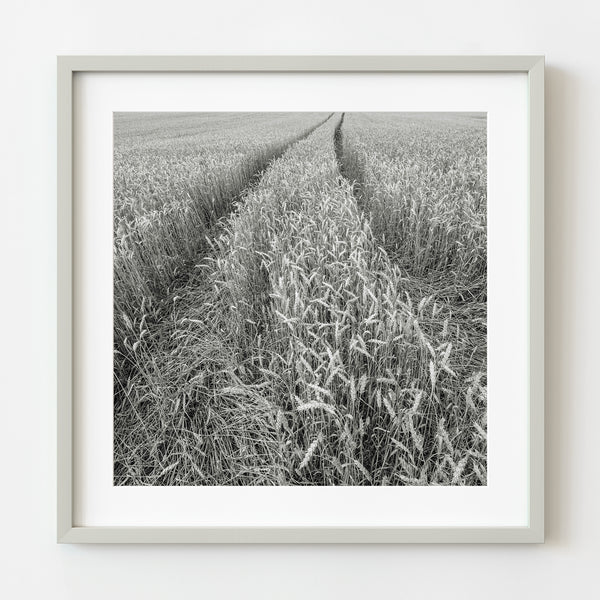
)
(300, 299)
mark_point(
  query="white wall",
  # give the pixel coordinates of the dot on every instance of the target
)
(32, 33)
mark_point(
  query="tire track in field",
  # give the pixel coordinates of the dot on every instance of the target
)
(338, 146)
(258, 175)
(192, 278)
(420, 286)
(205, 247)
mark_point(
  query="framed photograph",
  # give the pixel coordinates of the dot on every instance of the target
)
(301, 299)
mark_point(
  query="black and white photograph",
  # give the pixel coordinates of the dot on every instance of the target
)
(300, 299)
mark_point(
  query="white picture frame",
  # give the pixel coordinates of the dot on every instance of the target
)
(69, 532)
